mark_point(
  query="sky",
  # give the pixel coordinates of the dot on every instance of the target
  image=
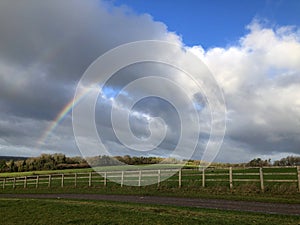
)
(252, 48)
(215, 23)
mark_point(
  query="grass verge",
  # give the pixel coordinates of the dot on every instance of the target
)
(62, 211)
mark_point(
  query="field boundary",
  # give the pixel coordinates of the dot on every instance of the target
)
(178, 177)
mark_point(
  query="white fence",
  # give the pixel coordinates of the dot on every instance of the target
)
(175, 177)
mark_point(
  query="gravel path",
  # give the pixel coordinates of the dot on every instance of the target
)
(272, 208)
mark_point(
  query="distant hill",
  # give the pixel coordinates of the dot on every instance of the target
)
(7, 158)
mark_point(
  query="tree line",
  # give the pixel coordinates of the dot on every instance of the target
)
(287, 161)
(61, 161)
(43, 162)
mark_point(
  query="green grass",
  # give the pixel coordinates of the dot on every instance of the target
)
(99, 169)
(211, 193)
(61, 211)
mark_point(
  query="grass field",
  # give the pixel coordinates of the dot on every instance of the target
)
(61, 211)
(212, 193)
(275, 179)
(217, 185)
(99, 169)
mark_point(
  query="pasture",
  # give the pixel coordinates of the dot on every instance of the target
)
(273, 184)
(168, 175)
(277, 185)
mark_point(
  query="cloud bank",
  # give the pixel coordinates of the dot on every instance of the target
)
(46, 47)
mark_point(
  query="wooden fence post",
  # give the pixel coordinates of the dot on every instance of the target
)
(261, 177)
(230, 178)
(4, 181)
(158, 178)
(62, 180)
(37, 181)
(75, 179)
(49, 180)
(203, 177)
(90, 179)
(25, 182)
(179, 179)
(14, 183)
(122, 178)
(105, 179)
(140, 178)
(298, 172)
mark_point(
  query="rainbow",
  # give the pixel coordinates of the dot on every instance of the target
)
(60, 117)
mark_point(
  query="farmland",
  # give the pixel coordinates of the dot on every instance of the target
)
(279, 184)
(165, 175)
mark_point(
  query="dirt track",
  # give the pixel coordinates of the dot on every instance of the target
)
(273, 208)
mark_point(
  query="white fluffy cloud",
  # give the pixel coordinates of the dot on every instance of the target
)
(260, 77)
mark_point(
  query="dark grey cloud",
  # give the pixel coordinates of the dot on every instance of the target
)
(52, 43)
(45, 47)
(67, 36)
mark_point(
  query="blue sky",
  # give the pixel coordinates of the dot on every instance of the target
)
(215, 23)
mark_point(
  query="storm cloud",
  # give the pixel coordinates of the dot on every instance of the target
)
(45, 47)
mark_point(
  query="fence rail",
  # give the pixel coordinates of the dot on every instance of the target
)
(179, 178)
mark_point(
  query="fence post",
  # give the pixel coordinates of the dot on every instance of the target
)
(298, 172)
(122, 178)
(261, 177)
(179, 180)
(37, 181)
(75, 179)
(62, 180)
(203, 177)
(14, 183)
(4, 181)
(140, 177)
(25, 181)
(230, 178)
(90, 179)
(49, 180)
(105, 179)
(158, 178)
